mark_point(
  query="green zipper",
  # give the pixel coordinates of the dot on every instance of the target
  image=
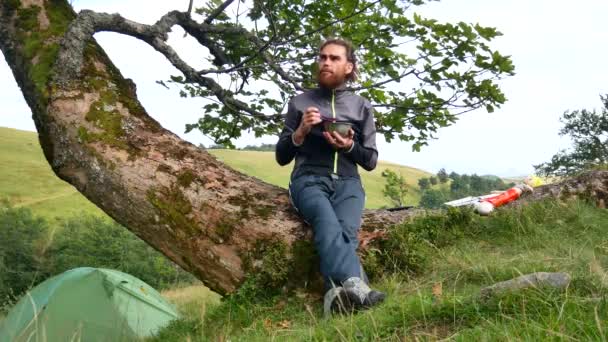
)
(333, 113)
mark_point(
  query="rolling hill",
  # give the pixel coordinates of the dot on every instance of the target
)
(26, 178)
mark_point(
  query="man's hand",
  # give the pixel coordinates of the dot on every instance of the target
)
(311, 117)
(338, 141)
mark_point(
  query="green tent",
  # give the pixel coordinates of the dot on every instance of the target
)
(87, 304)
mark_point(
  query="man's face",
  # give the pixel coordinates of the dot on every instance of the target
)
(333, 66)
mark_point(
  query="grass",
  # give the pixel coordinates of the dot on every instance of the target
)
(50, 197)
(433, 269)
(263, 166)
(191, 300)
(546, 236)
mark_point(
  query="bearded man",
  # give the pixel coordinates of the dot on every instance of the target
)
(329, 131)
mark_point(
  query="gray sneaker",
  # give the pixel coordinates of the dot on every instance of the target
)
(338, 301)
(362, 297)
(373, 298)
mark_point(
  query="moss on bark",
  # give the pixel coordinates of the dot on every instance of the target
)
(173, 208)
(226, 226)
(27, 18)
(109, 121)
(250, 205)
(185, 178)
(274, 266)
(40, 45)
(164, 168)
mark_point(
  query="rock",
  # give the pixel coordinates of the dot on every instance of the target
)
(538, 279)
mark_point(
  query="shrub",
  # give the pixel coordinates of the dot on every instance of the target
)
(22, 241)
(96, 242)
(409, 245)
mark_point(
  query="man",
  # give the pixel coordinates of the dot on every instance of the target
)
(325, 185)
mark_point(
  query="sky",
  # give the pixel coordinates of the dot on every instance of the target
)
(558, 49)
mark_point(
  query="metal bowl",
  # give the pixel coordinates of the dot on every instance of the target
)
(341, 127)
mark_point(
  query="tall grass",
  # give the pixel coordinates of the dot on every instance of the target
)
(442, 300)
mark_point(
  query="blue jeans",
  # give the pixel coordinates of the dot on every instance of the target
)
(333, 207)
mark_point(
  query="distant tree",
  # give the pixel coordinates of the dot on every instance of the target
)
(454, 176)
(443, 176)
(395, 188)
(473, 185)
(497, 184)
(217, 147)
(424, 183)
(200, 145)
(477, 183)
(432, 198)
(433, 180)
(262, 147)
(465, 178)
(589, 133)
(460, 186)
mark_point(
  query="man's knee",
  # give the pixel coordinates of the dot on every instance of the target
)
(350, 225)
(329, 235)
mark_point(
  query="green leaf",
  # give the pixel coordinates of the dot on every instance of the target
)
(391, 40)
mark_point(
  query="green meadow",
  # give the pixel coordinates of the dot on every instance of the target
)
(432, 267)
(26, 179)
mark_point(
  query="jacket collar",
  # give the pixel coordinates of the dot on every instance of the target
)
(340, 90)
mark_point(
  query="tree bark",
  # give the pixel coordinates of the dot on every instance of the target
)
(590, 185)
(213, 221)
(208, 218)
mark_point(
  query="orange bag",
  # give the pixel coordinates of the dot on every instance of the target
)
(504, 198)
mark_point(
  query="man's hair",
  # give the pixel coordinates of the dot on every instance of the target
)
(350, 55)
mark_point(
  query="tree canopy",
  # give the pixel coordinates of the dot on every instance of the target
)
(589, 133)
(419, 74)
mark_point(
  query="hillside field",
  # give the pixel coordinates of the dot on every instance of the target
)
(432, 267)
(26, 179)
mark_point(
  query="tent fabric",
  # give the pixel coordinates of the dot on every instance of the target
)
(87, 304)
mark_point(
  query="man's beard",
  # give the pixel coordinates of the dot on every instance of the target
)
(330, 80)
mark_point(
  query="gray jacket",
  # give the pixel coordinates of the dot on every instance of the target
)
(316, 155)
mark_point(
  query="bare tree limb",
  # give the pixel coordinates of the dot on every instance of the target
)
(189, 11)
(89, 22)
(218, 11)
(199, 30)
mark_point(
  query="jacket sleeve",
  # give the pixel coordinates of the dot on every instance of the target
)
(286, 149)
(364, 151)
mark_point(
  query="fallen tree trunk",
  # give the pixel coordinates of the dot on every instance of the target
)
(219, 224)
(590, 185)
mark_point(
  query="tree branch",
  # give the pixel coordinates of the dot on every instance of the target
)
(88, 23)
(381, 83)
(218, 11)
(200, 30)
(321, 28)
(189, 11)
